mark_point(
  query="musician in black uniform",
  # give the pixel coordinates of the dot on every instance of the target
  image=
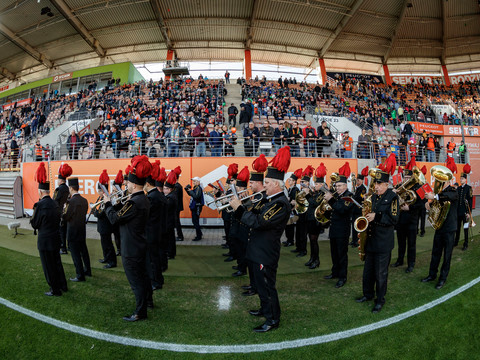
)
(120, 180)
(232, 172)
(314, 198)
(132, 218)
(163, 248)
(359, 196)
(465, 199)
(263, 248)
(196, 205)
(179, 206)
(407, 227)
(423, 212)
(156, 219)
(301, 227)
(74, 215)
(340, 220)
(104, 227)
(292, 193)
(171, 196)
(61, 195)
(444, 237)
(380, 241)
(46, 220)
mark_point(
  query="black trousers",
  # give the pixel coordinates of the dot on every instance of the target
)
(196, 220)
(135, 270)
(290, 233)
(239, 245)
(251, 275)
(116, 235)
(108, 249)
(407, 240)
(265, 279)
(232, 118)
(375, 275)
(313, 230)
(172, 244)
(154, 264)
(355, 216)
(63, 236)
(227, 222)
(339, 254)
(460, 222)
(80, 258)
(163, 251)
(301, 234)
(442, 243)
(178, 226)
(421, 219)
(53, 270)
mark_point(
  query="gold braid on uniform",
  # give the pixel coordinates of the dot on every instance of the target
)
(124, 209)
(271, 212)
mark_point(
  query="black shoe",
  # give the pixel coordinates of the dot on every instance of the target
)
(65, 289)
(309, 262)
(109, 266)
(440, 284)
(224, 246)
(77, 279)
(429, 278)
(464, 248)
(256, 312)
(150, 304)
(171, 257)
(363, 299)
(118, 253)
(239, 273)
(328, 277)
(134, 317)
(247, 287)
(397, 264)
(102, 261)
(302, 254)
(51, 293)
(227, 254)
(376, 309)
(340, 283)
(409, 269)
(294, 250)
(228, 259)
(288, 244)
(265, 327)
(179, 239)
(249, 293)
(235, 267)
(422, 234)
(63, 252)
(158, 287)
(197, 239)
(314, 264)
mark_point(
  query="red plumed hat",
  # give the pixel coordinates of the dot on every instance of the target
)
(307, 173)
(243, 176)
(411, 164)
(424, 170)
(345, 170)
(141, 169)
(260, 164)
(177, 171)
(119, 178)
(321, 172)
(390, 164)
(162, 177)
(365, 171)
(171, 179)
(281, 161)
(297, 174)
(451, 164)
(103, 179)
(467, 169)
(232, 171)
(154, 173)
(41, 174)
(64, 171)
(128, 169)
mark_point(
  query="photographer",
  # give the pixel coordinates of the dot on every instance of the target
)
(196, 205)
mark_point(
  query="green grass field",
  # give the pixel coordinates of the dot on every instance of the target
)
(186, 309)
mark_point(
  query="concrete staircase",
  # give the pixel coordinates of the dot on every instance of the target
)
(234, 96)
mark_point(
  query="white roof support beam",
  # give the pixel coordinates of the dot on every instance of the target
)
(5, 72)
(395, 32)
(161, 23)
(253, 15)
(10, 35)
(67, 13)
(340, 27)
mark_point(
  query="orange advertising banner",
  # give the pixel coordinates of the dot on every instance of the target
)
(208, 169)
(445, 130)
(435, 129)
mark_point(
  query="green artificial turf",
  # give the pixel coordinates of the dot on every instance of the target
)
(186, 309)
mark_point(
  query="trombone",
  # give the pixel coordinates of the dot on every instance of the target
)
(116, 197)
(255, 198)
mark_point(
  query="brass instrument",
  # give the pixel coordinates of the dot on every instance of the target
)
(301, 202)
(361, 223)
(225, 199)
(323, 211)
(404, 191)
(438, 212)
(255, 197)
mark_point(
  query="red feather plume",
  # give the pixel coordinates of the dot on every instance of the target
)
(298, 173)
(467, 168)
(364, 171)
(260, 164)
(65, 170)
(141, 166)
(41, 174)
(172, 178)
(128, 169)
(232, 170)
(411, 164)
(178, 171)
(345, 170)
(243, 175)
(155, 169)
(451, 164)
(162, 175)
(390, 164)
(424, 170)
(308, 171)
(281, 161)
(321, 171)
(103, 179)
(119, 177)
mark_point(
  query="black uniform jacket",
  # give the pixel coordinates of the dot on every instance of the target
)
(103, 224)
(340, 220)
(266, 229)
(359, 196)
(449, 194)
(46, 219)
(74, 214)
(292, 192)
(171, 209)
(408, 220)
(465, 196)
(61, 195)
(314, 199)
(179, 197)
(156, 218)
(380, 232)
(132, 218)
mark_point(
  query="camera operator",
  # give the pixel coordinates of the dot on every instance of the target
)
(196, 205)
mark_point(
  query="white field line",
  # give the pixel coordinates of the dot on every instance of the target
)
(210, 349)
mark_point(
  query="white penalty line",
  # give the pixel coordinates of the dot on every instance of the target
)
(211, 349)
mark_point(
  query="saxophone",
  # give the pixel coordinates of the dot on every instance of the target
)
(323, 211)
(438, 212)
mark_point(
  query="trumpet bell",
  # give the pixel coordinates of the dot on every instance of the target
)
(361, 224)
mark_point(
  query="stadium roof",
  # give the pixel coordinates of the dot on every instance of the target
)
(408, 35)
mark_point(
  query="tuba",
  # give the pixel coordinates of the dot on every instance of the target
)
(301, 202)
(438, 212)
(323, 211)
(404, 191)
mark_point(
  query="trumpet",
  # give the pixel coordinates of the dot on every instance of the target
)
(223, 200)
(255, 198)
(115, 198)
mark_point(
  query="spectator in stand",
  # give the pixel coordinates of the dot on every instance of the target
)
(326, 143)
(403, 144)
(215, 140)
(244, 117)
(347, 145)
(227, 79)
(363, 146)
(438, 149)
(150, 150)
(451, 146)
(422, 146)
(266, 137)
(229, 140)
(232, 115)
(430, 148)
(173, 136)
(38, 151)
(73, 145)
(251, 139)
(408, 129)
(187, 143)
(279, 137)
(310, 139)
(114, 138)
(201, 135)
(294, 139)
(462, 151)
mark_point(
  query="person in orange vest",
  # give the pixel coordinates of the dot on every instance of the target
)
(347, 145)
(451, 147)
(38, 151)
(430, 148)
